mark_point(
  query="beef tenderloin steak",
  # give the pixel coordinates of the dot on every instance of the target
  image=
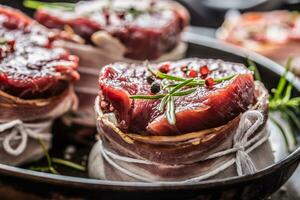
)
(30, 67)
(211, 105)
(147, 29)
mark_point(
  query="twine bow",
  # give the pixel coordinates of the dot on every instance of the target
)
(18, 130)
(249, 123)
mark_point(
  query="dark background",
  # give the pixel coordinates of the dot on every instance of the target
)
(207, 13)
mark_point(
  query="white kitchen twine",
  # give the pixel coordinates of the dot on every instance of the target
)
(18, 130)
(249, 123)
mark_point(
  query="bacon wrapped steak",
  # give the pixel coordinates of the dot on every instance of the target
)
(36, 85)
(141, 29)
(179, 121)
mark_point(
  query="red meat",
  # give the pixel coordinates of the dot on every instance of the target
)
(30, 67)
(147, 28)
(207, 107)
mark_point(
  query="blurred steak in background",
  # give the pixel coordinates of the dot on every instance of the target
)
(208, 13)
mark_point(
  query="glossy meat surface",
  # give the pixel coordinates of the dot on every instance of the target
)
(146, 28)
(30, 67)
(207, 107)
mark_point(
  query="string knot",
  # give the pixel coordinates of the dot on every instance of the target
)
(20, 131)
(239, 147)
(249, 123)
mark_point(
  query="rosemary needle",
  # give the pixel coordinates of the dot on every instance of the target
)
(161, 75)
(159, 96)
(181, 85)
(171, 117)
(41, 169)
(202, 82)
(50, 161)
(68, 164)
(57, 5)
(282, 81)
(252, 67)
(184, 92)
(163, 103)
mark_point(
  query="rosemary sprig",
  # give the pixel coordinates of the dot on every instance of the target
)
(50, 168)
(281, 101)
(41, 169)
(161, 75)
(68, 164)
(193, 83)
(175, 87)
(49, 161)
(281, 98)
(55, 5)
(167, 102)
(170, 113)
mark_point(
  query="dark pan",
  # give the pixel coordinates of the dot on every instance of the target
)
(19, 183)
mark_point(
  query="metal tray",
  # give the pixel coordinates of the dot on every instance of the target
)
(16, 183)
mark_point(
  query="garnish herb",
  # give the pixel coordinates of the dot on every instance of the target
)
(175, 87)
(68, 163)
(33, 4)
(158, 96)
(252, 67)
(49, 161)
(282, 102)
(55, 5)
(134, 12)
(194, 83)
(50, 168)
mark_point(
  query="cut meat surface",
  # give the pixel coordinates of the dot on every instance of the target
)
(146, 28)
(209, 106)
(30, 67)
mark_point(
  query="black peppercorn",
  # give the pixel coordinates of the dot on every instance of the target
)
(150, 79)
(184, 69)
(155, 88)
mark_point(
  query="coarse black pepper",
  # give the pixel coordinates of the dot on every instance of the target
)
(150, 79)
(155, 88)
